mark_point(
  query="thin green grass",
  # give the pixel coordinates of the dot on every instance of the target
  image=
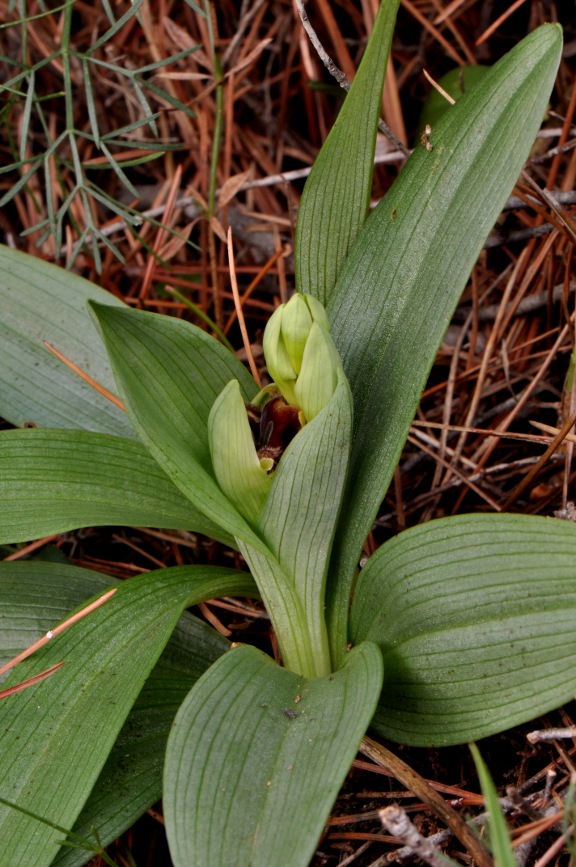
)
(48, 155)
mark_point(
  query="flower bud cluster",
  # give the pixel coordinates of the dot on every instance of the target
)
(300, 354)
(246, 442)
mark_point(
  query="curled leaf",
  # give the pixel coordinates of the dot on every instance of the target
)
(241, 474)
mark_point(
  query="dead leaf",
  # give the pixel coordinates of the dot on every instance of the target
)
(180, 37)
(218, 229)
(184, 76)
(175, 243)
(231, 187)
(198, 197)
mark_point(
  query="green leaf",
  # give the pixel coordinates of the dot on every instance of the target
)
(169, 374)
(404, 276)
(500, 841)
(113, 30)
(39, 302)
(476, 619)
(35, 596)
(300, 514)
(131, 780)
(52, 481)
(38, 594)
(57, 735)
(237, 467)
(257, 755)
(337, 194)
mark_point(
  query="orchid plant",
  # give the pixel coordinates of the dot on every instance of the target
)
(458, 628)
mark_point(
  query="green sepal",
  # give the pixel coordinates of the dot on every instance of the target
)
(319, 376)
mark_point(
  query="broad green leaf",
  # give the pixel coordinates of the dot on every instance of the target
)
(169, 374)
(131, 780)
(476, 619)
(39, 301)
(406, 272)
(257, 755)
(300, 514)
(57, 735)
(500, 841)
(36, 595)
(52, 481)
(337, 194)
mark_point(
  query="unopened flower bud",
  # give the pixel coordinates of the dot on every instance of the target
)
(300, 354)
(241, 474)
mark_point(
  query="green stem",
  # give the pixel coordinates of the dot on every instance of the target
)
(66, 71)
(218, 125)
(23, 31)
(219, 116)
(300, 653)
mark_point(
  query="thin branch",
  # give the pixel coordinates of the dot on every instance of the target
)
(551, 734)
(399, 825)
(337, 73)
(514, 203)
(52, 633)
(416, 784)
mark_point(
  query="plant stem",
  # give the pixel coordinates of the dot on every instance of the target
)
(301, 654)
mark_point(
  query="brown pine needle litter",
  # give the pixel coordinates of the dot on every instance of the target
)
(224, 155)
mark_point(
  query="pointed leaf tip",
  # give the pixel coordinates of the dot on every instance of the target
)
(239, 471)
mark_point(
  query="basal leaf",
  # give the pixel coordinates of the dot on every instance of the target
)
(57, 480)
(476, 619)
(57, 735)
(404, 276)
(36, 595)
(337, 193)
(39, 301)
(169, 374)
(257, 755)
(131, 780)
